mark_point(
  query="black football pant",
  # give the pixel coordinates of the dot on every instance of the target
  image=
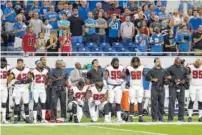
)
(157, 103)
(62, 96)
(180, 96)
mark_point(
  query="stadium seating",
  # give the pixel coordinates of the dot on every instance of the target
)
(91, 46)
(117, 46)
(104, 46)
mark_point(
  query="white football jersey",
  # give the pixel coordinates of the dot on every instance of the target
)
(4, 75)
(136, 75)
(20, 74)
(79, 94)
(39, 78)
(196, 75)
(97, 95)
(115, 75)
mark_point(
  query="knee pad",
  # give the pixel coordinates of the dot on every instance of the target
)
(26, 109)
(118, 107)
(191, 104)
(74, 108)
(43, 106)
(3, 105)
(110, 107)
(35, 106)
(200, 105)
(106, 109)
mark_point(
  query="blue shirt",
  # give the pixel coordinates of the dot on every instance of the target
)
(124, 3)
(83, 11)
(157, 43)
(164, 16)
(44, 10)
(183, 47)
(114, 29)
(90, 30)
(52, 15)
(18, 26)
(68, 12)
(195, 22)
(181, 6)
(141, 45)
(63, 23)
(147, 13)
(10, 18)
(157, 10)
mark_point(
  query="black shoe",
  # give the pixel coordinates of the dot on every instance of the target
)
(181, 120)
(141, 119)
(15, 120)
(130, 119)
(145, 112)
(161, 120)
(190, 119)
(76, 119)
(154, 120)
(200, 119)
(70, 118)
(28, 120)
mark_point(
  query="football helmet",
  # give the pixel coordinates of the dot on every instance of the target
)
(80, 84)
(3, 62)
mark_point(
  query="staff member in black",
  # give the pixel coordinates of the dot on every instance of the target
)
(59, 83)
(157, 76)
(178, 77)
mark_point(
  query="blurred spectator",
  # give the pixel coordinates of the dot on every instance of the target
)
(45, 8)
(40, 44)
(114, 27)
(157, 9)
(65, 43)
(184, 6)
(18, 5)
(22, 12)
(67, 10)
(132, 7)
(123, 16)
(190, 13)
(195, 21)
(63, 24)
(101, 26)
(76, 74)
(152, 19)
(188, 24)
(127, 31)
(90, 25)
(53, 44)
(35, 8)
(36, 24)
(76, 27)
(59, 7)
(10, 15)
(155, 24)
(138, 18)
(52, 17)
(163, 15)
(141, 41)
(97, 10)
(197, 38)
(183, 39)
(83, 10)
(115, 9)
(47, 29)
(156, 42)
(29, 41)
(169, 41)
(29, 17)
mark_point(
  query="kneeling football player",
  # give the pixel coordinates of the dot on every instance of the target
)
(97, 101)
(76, 101)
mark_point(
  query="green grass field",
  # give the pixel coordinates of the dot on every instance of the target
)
(86, 128)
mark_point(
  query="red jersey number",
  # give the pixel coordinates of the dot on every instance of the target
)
(3, 75)
(22, 76)
(98, 96)
(115, 75)
(197, 74)
(40, 78)
(79, 95)
(136, 75)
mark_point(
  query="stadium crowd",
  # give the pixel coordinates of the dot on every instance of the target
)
(101, 26)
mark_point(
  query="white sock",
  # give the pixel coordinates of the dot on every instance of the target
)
(3, 110)
(200, 113)
(190, 112)
(118, 113)
(146, 103)
(43, 114)
(106, 117)
(35, 114)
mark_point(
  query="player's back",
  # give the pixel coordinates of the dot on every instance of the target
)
(136, 75)
(39, 78)
(196, 75)
(115, 75)
(4, 75)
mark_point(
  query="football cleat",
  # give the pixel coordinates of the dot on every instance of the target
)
(145, 112)
(76, 119)
(5, 122)
(44, 121)
(200, 119)
(34, 121)
(70, 118)
(190, 119)
(130, 119)
(28, 120)
(107, 121)
(141, 119)
(120, 121)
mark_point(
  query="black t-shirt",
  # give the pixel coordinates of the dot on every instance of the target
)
(197, 45)
(53, 48)
(76, 25)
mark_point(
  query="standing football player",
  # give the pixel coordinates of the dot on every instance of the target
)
(21, 83)
(97, 101)
(114, 79)
(76, 98)
(136, 90)
(3, 86)
(195, 90)
(39, 76)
